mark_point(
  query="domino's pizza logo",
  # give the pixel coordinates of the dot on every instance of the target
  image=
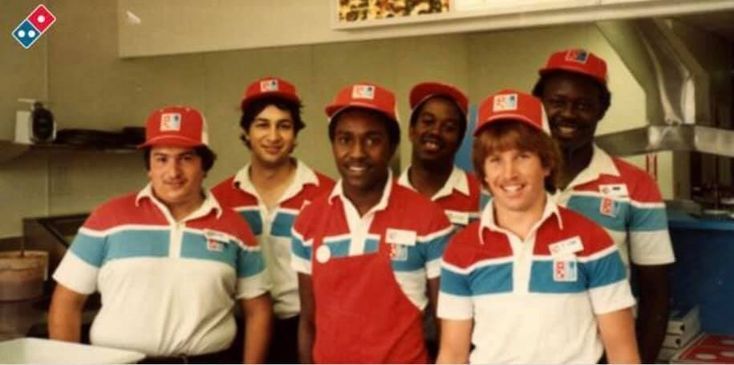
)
(363, 92)
(33, 26)
(269, 85)
(506, 102)
(170, 122)
(577, 55)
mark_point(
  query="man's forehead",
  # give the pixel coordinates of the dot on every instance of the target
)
(172, 151)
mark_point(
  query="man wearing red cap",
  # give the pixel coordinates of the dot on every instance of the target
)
(368, 253)
(437, 127)
(269, 192)
(169, 262)
(618, 196)
(530, 282)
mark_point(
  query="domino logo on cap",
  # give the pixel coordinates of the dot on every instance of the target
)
(577, 55)
(170, 122)
(363, 92)
(504, 103)
(269, 85)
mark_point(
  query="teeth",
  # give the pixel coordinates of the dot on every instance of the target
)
(566, 130)
(431, 145)
(356, 168)
(511, 188)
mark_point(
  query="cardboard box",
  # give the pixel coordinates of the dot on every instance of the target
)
(707, 348)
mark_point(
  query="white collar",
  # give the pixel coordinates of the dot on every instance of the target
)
(304, 176)
(209, 204)
(601, 163)
(458, 180)
(487, 219)
(338, 191)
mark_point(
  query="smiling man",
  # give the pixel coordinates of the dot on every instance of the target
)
(368, 253)
(169, 262)
(530, 282)
(618, 196)
(437, 126)
(269, 193)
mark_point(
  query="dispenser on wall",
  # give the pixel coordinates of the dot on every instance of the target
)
(35, 125)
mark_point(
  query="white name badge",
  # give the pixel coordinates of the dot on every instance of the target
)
(619, 190)
(566, 247)
(565, 270)
(461, 218)
(400, 237)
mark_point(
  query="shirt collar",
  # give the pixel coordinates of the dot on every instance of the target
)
(487, 219)
(338, 191)
(304, 176)
(601, 163)
(458, 180)
(209, 204)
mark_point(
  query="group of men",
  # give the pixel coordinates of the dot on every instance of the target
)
(347, 271)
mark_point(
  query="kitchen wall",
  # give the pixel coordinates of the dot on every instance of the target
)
(89, 86)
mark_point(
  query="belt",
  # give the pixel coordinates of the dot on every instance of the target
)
(214, 357)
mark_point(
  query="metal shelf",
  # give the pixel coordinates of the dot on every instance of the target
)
(10, 150)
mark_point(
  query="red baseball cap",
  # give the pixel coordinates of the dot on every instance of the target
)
(578, 61)
(512, 105)
(269, 86)
(179, 126)
(364, 95)
(426, 90)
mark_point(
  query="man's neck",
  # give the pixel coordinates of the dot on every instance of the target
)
(271, 181)
(428, 177)
(364, 200)
(182, 210)
(575, 161)
(262, 174)
(519, 223)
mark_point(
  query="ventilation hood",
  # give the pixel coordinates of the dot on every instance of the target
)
(681, 114)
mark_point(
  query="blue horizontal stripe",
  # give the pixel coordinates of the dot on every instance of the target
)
(434, 248)
(282, 224)
(254, 220)
(541, 279)
(89, 248)
(414, 260)
(137, 243)
(250, 263)
(196, 246)
(300, 250)
(606, 270)
(339, 248)
(648, 219)
(371, 246)
(491, 279)
(454, 283)
(590, 207)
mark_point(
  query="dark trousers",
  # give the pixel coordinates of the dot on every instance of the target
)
(284, 343)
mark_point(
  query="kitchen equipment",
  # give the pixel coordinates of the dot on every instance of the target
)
(42, 351)
(22, 274)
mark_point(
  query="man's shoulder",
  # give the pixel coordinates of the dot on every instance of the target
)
(228, 194)
(640, 184)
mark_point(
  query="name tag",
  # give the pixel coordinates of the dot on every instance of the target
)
(460, 218)
(618, 190)
(400, 237)
(566, 247)
(215, 241)
(565, 270)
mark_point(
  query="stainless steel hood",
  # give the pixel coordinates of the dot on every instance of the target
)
(681, 115)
